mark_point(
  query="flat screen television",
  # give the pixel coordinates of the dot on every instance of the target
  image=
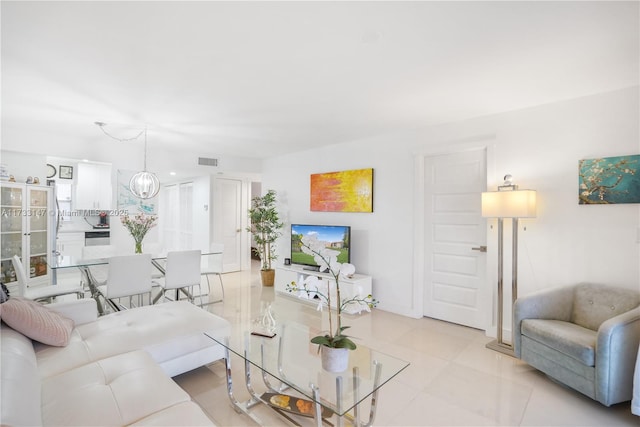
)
(337, 237)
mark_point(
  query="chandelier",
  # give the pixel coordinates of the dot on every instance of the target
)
(144, 184)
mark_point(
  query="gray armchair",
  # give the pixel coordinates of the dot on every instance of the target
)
(585, 336)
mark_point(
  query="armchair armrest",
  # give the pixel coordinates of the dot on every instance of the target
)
(81, 311)
(616, 353)
(555, 304)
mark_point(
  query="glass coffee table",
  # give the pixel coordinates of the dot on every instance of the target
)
(296, 383)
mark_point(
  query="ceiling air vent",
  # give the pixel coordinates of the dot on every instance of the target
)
(207, 161)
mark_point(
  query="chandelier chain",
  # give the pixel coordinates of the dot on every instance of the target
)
(144, 185)
(102, 125)
(145, 149)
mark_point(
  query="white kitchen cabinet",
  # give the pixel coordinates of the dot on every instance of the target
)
(25, 229)
(70, 244)
(93, 187)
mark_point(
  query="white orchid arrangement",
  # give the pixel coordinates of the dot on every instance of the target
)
(312, 286)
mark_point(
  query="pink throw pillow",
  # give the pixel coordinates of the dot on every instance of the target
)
(36, 321)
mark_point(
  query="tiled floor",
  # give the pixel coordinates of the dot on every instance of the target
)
(453, 380)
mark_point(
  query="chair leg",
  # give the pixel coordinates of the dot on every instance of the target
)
(221, 284)
(200, 295)
(191, 297)
(209, 286)
(206, 290)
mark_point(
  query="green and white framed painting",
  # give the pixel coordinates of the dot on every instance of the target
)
(609, 180)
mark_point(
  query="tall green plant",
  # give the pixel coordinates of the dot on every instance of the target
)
(265, 226)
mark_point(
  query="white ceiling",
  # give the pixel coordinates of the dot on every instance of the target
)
(254, 79)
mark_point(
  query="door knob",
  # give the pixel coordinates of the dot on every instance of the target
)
(480, 248)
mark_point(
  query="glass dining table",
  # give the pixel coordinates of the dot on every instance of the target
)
(62, 262)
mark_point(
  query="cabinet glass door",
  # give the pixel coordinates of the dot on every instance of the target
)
(38, 232)
(11, 228)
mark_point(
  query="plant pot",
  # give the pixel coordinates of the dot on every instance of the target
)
(268, 277)
(334, 359)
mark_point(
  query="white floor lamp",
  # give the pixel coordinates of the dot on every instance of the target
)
(507, 202)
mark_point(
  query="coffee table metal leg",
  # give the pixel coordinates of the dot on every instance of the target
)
(374, 396)
(317, 413)
(265, 376)
(356, 397)
(227, 365)
(255, 399)
(339, 400)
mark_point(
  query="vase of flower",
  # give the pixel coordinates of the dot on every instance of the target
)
(334, 359)
(138, 226)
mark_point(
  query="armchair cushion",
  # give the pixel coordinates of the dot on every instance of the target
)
(568, 338)
(593, 304)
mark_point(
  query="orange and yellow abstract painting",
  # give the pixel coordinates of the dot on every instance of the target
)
(346, 191)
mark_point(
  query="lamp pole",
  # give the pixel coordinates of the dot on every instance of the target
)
(507, 202)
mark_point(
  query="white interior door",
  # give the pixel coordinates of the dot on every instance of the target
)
(454, 273)
(229, 214)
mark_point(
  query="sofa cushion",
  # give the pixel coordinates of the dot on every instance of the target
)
(19, 380)
(36, 321)
(119, 390)
(568, 338)
(167, 331)
(593, 304)
(182, 414)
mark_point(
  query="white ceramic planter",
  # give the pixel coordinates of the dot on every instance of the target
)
(334, 359)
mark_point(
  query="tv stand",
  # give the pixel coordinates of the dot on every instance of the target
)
(359, 285)
(311, 268)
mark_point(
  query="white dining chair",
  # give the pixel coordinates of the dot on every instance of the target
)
(42, 293)
(99, 272)
(182, 273)
(155, 249)
(128, 276)
(212, 264)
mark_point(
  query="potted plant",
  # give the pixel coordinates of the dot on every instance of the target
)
(333, 345)
(265, 228)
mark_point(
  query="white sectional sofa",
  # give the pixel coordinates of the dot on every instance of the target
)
(115, 369)
(635, 401)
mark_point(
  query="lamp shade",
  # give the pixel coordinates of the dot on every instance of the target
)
(144, 185)
(509, 204)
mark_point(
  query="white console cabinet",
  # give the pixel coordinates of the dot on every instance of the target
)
(359, 285)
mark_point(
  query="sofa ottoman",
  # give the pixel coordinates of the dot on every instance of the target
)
(172, 333)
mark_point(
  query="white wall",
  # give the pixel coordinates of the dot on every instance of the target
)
(22, 165)
(120, 156)
(539, 146)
